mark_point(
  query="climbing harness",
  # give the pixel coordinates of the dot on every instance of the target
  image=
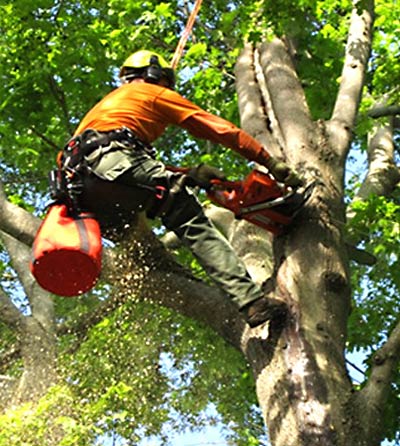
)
(66, 183)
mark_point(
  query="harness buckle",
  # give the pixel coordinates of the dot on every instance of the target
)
(160, 192)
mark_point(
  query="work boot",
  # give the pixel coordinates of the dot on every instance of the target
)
(263, 310)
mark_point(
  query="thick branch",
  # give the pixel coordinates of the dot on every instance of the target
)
(273, 122)
(383, 174)
(41, 303)
(252, 114)
(374, 395)
(287, 97)
(382, 177)
(17, 222)
(352, 79)
(174, 290)
(168, 283)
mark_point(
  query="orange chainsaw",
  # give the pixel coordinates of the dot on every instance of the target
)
(260, 199)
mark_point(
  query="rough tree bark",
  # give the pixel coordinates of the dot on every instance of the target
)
(311, 273)
(303, 387)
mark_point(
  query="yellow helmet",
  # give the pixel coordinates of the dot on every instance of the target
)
(149, 66)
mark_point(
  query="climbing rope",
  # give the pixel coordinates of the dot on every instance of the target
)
(185, 34)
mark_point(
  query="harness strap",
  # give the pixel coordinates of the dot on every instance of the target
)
(90, 140)
(66, 183)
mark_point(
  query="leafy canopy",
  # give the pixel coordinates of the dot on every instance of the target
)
(58, 58)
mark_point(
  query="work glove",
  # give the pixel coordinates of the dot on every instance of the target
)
(202, 175)
(283, 173)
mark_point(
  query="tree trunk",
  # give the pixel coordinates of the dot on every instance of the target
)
(302, 383)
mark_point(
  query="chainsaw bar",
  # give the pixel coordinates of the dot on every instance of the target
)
(296, 198)
(266, 204)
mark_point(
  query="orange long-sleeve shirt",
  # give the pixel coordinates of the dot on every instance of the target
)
(147, 109)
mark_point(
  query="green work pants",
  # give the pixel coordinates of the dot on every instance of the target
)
(185, 217)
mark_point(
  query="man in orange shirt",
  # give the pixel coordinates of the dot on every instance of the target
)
(113, 143)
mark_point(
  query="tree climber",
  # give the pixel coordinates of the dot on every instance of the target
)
(111, 151)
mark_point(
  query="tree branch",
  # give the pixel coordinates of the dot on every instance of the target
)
(374, 395)
(44, 138)
(384, 110)
(41, 303)
(383, 174)
(273, 122)
(61, 99)
(179, 292)
(252, 111)
(382, 177)
(17, 222)
(352, 79)
(287, 97)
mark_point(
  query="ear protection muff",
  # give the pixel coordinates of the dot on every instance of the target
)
(153, 72)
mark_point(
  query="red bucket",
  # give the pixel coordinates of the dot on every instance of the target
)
(67, 252)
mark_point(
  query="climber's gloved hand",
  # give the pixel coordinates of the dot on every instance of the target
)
(283, 173)
(202, 175)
